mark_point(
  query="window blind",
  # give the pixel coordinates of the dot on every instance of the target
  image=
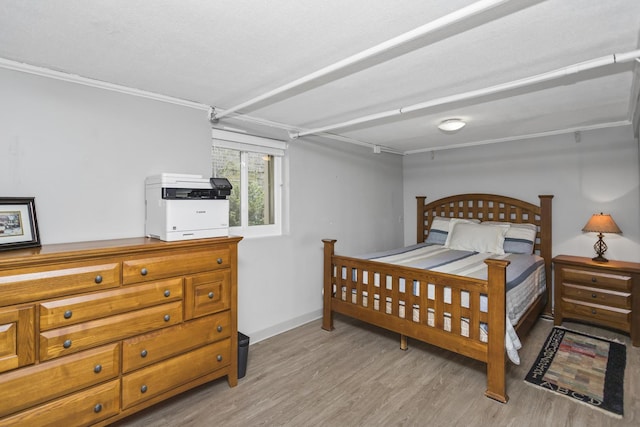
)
(246, 142)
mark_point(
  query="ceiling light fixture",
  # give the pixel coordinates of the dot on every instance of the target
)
(451, 125)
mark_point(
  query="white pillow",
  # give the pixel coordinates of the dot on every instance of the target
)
(452, 224)
(439, 229)
(477, 238)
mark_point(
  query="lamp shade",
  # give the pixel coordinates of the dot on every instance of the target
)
(602, 223)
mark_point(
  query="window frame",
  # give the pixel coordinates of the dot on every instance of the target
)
(245, 143)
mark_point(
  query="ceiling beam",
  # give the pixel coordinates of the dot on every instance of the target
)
(376, 51)
(99, 84)
(520, 137)
(491, 90)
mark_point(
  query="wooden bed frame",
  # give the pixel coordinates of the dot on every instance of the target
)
(394, 317)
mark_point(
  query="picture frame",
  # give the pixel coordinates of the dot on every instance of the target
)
(18, 223)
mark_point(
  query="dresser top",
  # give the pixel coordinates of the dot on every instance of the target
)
(578, 261)
(70, 251)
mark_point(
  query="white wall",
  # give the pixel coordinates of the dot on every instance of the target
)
(83, 153)
(598, 174)
(338, 192)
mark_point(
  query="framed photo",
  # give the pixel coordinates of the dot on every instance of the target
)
(18, 223)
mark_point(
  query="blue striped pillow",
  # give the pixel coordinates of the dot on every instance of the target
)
(520, 239)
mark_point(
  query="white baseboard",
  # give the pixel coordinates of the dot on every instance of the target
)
(263, 334)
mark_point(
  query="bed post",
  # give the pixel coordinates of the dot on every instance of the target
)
(546, 247)
(497, 313)
(419, 239)
(420, 219)
(327, 314)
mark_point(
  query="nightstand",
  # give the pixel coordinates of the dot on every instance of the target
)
(605, 294)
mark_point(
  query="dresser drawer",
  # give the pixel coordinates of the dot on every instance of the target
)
(69, 311)
(17, 337)
(175, 264)
(597, 278)
(597, 296)
(38, 283)
(153, 380)
(80, 409)
(144, 350)
(207, 293)
(607, 316)
(30, 386)
(71, 339)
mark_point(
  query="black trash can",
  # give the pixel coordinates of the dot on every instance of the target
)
(243, 354)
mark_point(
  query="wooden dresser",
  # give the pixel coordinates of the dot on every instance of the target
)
(92, 332)
(600, 293)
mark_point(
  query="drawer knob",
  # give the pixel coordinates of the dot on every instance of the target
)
(97, 408)
(210, 295)
(219, 328)
(68, 314)
(98, 279)
(219, 358)
(167, 317)
(219, 260)
(143, 353)
(143, 271)
(98, 368)
(143, 389)
(594, 296)
(593, 311)
(594, 279)
(66, 344)
(167, 293)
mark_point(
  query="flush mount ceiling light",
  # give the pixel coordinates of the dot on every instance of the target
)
(451, 125)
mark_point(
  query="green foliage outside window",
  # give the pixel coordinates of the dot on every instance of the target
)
(227, 163)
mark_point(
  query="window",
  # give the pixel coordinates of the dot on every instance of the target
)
(254, 166)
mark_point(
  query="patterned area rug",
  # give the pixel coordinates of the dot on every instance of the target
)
(585, 368)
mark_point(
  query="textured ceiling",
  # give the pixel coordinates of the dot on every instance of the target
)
(222, 53)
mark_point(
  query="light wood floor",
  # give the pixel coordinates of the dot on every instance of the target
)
(356, 375)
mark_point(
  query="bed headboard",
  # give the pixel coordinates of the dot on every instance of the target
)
(491, 207)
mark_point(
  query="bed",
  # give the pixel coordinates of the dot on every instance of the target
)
(466, 314)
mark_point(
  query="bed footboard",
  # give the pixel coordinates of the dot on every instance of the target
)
(463, 315)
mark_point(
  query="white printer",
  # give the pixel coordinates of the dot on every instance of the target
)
(184, 207)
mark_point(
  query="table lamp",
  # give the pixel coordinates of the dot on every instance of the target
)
(601, 223)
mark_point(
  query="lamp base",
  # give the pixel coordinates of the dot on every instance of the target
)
(600, 247)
